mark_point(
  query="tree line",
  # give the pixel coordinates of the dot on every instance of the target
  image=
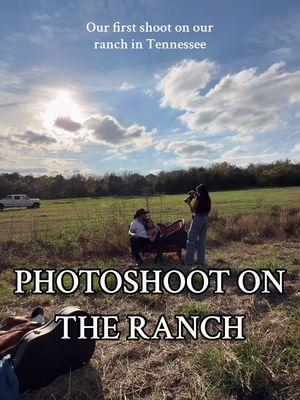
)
(222, 176)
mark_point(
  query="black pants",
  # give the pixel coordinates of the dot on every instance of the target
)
(137, 243)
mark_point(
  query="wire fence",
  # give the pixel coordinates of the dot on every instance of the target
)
(78, 216)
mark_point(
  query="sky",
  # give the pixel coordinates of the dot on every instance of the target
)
(68, 108)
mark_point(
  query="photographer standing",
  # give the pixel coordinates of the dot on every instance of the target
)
(198, 229)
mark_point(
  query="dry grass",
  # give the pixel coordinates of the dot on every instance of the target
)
(275, 223)
(110, 239)
(263, 367)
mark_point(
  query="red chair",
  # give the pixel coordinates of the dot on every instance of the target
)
(173, 237)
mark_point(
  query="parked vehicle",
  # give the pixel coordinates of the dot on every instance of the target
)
(19, 200)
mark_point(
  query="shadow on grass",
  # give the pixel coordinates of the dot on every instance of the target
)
(82, 384)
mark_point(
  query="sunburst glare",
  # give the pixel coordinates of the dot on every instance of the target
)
(63, 106)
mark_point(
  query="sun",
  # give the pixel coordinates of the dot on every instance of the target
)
(62, 106)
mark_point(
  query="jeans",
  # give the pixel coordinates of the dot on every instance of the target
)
(137, 244)
(198, 230)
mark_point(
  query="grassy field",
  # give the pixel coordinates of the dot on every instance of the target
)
(257, 229)
(264, 367)
(56, 216)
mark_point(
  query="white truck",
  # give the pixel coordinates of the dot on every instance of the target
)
(19, 200)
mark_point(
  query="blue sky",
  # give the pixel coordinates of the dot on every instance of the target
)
(66, 107)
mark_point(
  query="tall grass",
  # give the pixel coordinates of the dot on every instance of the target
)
(274, 223)
(107, 236)
(239, 371)
(254, 369)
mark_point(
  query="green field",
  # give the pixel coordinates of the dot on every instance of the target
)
(56, 216)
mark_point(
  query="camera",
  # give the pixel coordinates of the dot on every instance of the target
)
(191, 195)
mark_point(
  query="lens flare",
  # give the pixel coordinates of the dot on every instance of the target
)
(62, 106)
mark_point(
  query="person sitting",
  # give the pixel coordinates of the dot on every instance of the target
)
(155, 237)
(153, 231)
(139, 236)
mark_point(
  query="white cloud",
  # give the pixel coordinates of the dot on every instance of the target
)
(106, 129)
(149, 92)
(234, 153)
(241, 157)
(188, 162)
(189, 152)
(36, 131)
(241, 138)
(32, 138)
(7, 78)
(67, 124)
(36, 164)
(188, 148)
(181, 83)
(236, 157)
(28, 139)
(246, 102)
(154, 171)
(126, 87)
(176, 130)
(296, 148)
(46, 31)
(281, 36)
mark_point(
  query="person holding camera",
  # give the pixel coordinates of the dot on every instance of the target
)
(198, 229)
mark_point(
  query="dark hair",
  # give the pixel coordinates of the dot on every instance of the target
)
(204, 202)
(202, 189)
(140, 212)
(148, 223)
